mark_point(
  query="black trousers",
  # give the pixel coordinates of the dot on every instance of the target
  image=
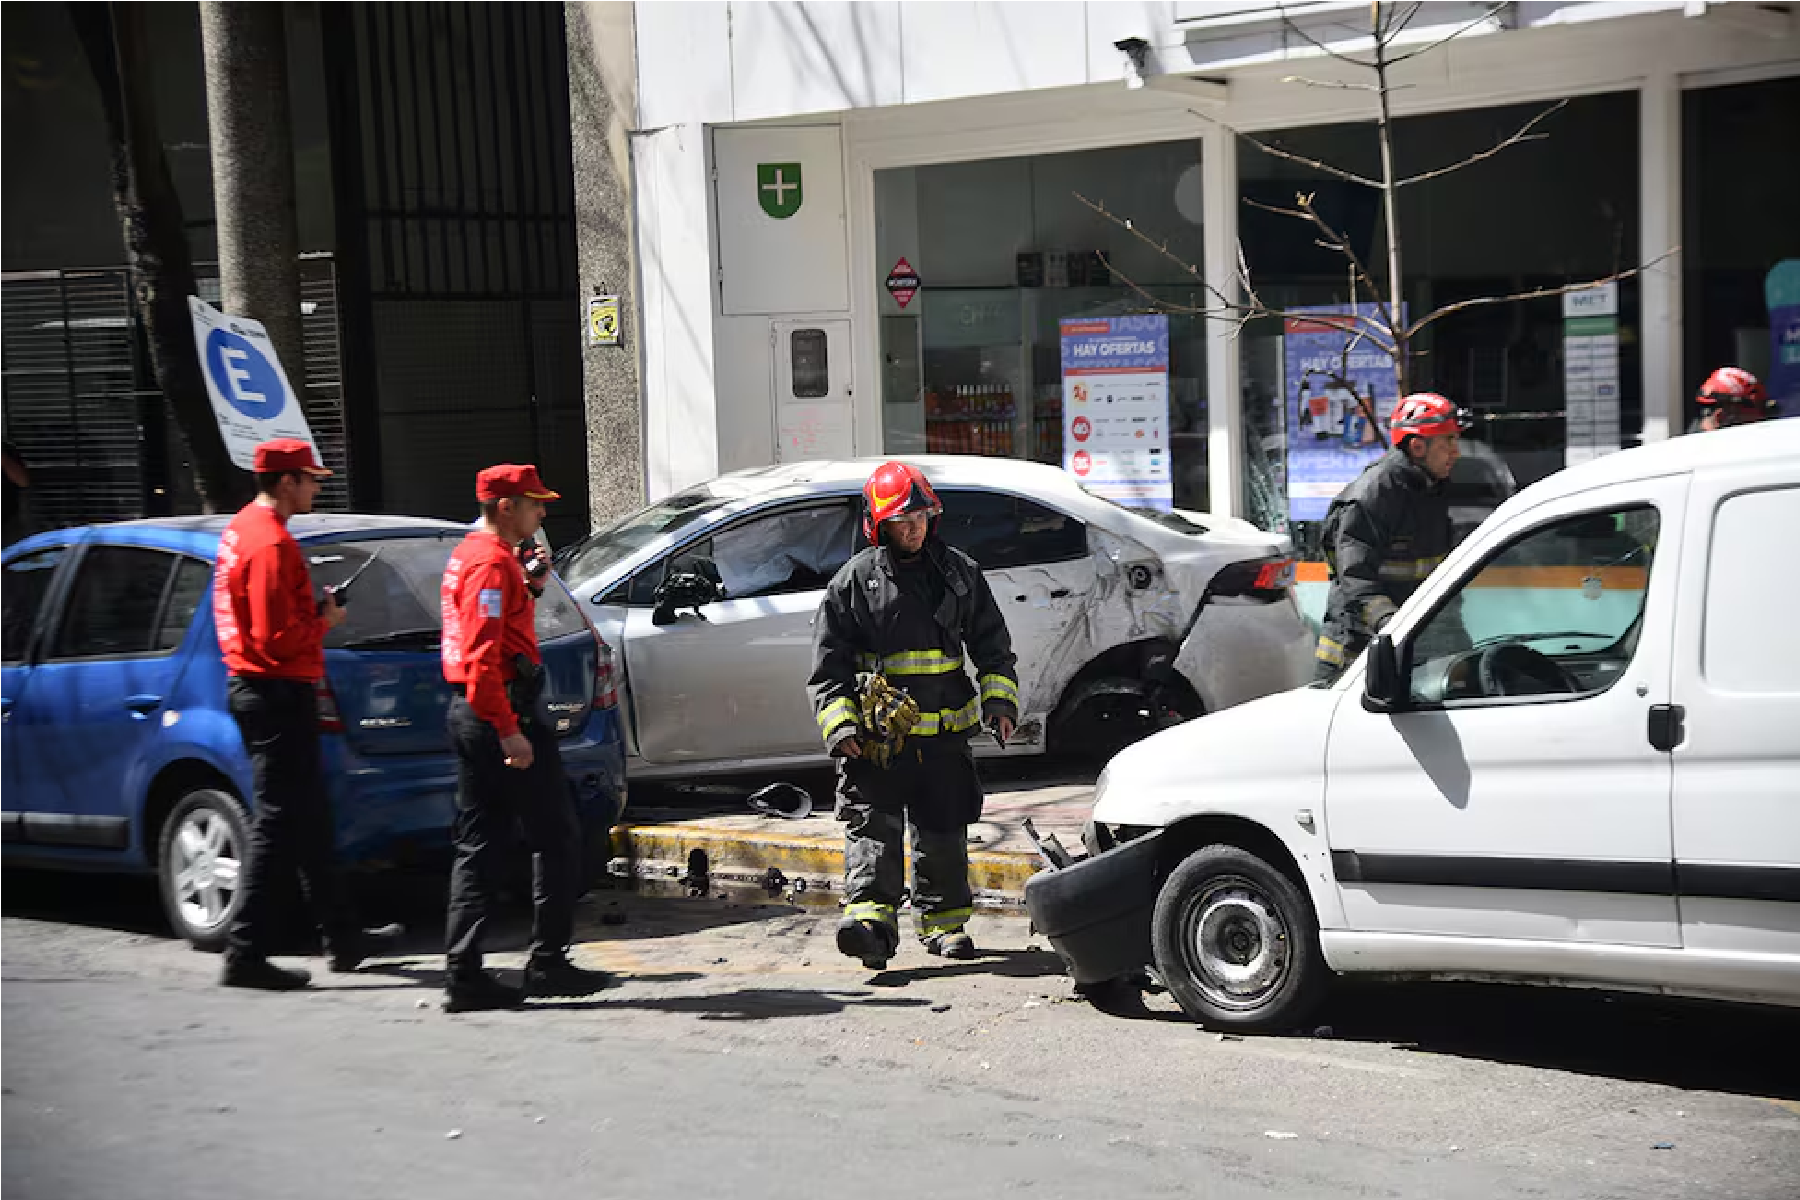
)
(492, 800)
(931, 789)
(292, 836)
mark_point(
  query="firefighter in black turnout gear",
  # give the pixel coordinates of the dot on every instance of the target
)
(896, 707)
(1388, 530)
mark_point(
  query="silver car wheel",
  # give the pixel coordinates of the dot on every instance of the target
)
(1240, 946)
(208, 869)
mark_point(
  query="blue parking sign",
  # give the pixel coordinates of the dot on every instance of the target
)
(251, 397)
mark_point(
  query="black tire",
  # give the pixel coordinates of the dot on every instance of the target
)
(1237, 942)
(208, 832)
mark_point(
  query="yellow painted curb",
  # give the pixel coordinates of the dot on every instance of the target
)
(814, 857)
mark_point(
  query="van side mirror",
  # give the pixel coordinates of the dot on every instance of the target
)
(1384, 684)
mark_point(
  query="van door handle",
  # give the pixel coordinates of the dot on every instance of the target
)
(143, 706)
(1668, 726)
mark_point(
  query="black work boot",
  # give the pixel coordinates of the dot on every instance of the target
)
(347, 952)
(871, 941)
(242, 971)
(954, 943)
(558, 976)
(480, 992)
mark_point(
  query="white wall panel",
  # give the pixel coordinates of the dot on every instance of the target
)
(684, 63)
(793, 264)
(791, 59)
(972, 49)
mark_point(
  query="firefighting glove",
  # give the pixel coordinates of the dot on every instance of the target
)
(886, 715)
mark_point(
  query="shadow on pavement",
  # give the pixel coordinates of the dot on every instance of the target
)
(127, 903)
(1006, 964)
(1678, 1043)
(748, 1004)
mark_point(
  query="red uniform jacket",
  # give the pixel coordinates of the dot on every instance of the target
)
(489, 617)
(268, 620)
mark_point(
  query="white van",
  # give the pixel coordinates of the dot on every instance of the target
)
(1573, 758)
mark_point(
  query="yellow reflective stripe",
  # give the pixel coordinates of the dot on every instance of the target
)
(1330, 652)
(1409, 568)
(867, 662)
(867, 911)
(921, 662)
(999, 687)
(948, 921)
(838, 712)
(949, 720)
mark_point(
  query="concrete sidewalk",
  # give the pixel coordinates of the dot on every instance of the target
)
(658, 840)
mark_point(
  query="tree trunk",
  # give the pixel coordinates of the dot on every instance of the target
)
(112, 37)
(1390, 202)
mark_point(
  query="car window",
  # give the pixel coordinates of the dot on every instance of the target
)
(28, 580)
(1554, 613)
(193, 582)
(398, 591)
(1000, 531)
(603, 549)
(115, 604)
(790, 550)
(1749, 645)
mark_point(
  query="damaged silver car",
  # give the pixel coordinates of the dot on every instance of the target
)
(1125, 621)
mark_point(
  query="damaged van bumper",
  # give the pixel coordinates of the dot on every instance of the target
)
(1096, 911)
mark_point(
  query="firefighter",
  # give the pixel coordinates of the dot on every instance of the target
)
(509, 770)
(896, 708)
(1387, 531)
(1731, 396)
(271, 633)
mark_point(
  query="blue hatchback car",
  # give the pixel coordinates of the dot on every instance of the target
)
(120, 753)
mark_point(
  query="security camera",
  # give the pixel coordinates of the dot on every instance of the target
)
(1137, 54)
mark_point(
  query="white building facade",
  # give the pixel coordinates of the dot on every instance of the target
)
(859, 225)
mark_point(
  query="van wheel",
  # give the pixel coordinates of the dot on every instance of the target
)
(1237, 942)
(203, 860)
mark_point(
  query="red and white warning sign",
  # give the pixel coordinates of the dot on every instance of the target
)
(1082, 463)
(903, 283)
(1081, 428)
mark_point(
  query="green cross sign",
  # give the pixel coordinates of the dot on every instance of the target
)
(778, 189)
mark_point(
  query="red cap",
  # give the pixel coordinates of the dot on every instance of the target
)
(287, 454)
(512, 479)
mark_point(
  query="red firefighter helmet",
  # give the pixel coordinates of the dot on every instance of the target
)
(1424, 414)
(1736, 388)
(896, 488)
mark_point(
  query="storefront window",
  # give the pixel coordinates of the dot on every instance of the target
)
(1740, 244)
(983, 261)
(1544, 388)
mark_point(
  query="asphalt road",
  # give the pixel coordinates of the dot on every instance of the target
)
(742, 1057)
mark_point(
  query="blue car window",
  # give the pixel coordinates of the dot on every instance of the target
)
(28, 580)
(192, 586)
(115, 603)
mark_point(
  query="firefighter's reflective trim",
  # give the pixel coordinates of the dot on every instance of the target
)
(1377, 609)
(835, 715)
(948, 921)
(1409, 570)
(999, 687)
(921, 662)
(1329, 651)
(950, 720)
(864, 910)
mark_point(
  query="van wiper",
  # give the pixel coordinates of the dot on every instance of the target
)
(423, 637)
(1539, 637)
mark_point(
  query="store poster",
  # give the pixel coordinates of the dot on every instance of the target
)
(1591, 373)
(1330, 439)
(1115, 373)
(1782, 290)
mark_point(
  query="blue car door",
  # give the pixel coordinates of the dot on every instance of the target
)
(28, 595)
(108, 667)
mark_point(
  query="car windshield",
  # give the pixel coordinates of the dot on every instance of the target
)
(393, 603)
(593, 556)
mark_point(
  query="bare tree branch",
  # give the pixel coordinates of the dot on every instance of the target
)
(1523, 135)
(1336, 85)
(1337, 172)
(1535, 294)
(1483, 19)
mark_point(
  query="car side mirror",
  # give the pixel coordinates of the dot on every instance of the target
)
(1384, 683)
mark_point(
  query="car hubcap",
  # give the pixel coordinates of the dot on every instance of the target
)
(207, 869)
(1240, 944)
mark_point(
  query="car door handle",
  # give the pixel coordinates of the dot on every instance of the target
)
(143, 706)
(1668, 726)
